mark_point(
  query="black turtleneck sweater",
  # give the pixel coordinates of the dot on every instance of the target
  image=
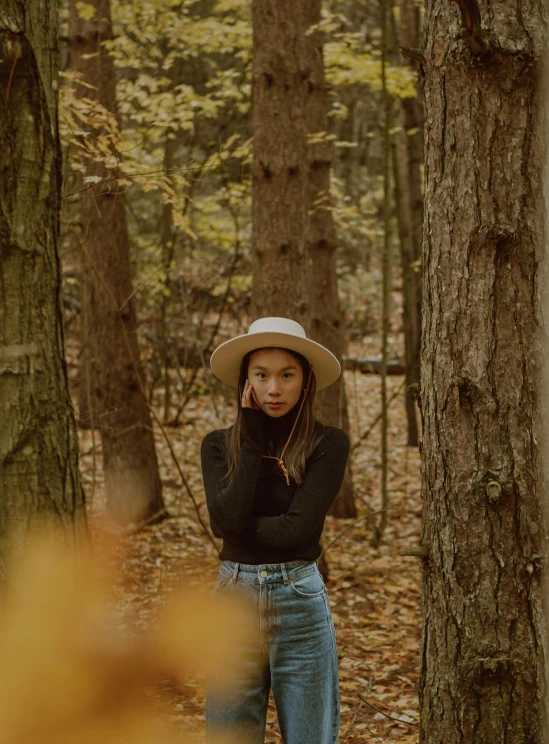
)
(260, 518)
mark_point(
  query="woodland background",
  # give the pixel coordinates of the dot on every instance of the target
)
(385, 190)
(182, 131)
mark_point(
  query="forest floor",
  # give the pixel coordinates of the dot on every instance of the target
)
(373, 592)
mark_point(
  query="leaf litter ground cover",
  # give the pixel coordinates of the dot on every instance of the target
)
(374, 593)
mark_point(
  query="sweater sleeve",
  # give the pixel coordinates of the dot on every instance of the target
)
(230, 502)
(311, 500)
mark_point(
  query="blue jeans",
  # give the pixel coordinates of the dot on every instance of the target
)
(293, 650)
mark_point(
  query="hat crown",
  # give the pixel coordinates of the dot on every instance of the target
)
(277, 325)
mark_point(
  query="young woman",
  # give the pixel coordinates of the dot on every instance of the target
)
(270, 480)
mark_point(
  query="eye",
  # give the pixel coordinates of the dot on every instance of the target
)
(261, 375)
(287, 375)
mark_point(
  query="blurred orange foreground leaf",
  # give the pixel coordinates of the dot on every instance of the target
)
(70, 674)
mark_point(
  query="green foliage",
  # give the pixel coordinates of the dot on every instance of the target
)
(180, 146)
(346, 64)
(86, 127)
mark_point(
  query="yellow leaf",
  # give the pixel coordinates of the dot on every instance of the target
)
(86, 11)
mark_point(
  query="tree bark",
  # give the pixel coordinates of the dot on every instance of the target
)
(279, 172)
(386, 9)
(132, 482)
(167, 240)
(408, 155)
(409, 289)
(412, 113)
(326, 320)
(482, 652)
(38, 440)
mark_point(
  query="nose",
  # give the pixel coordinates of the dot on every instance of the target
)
(273, 388)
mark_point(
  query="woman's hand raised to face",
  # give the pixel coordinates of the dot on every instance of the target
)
(248, 397)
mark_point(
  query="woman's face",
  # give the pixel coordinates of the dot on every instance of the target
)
(277, 380)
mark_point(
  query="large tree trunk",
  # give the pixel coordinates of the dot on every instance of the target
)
(482, 651)
(326, 321)
(279, 174)
(132, 482)
(38, 442)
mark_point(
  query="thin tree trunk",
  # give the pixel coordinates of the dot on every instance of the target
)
(279, 172)
(412, 117)
(407, 157)
(413, 122)
(386, 10)
(326, 321)
(38, 440)
(132, 482)
(482, 677)
(409, 33)
(168, 252)
(409, 318)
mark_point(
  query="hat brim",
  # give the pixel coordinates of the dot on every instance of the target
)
(227, 358)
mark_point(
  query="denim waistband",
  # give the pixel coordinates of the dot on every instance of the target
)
(268, 572)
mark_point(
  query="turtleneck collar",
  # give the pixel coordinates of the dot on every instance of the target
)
(280, 427)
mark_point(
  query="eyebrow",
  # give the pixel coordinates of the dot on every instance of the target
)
(258, 366)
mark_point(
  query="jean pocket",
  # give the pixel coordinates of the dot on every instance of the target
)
(222, 583)
(309, 586)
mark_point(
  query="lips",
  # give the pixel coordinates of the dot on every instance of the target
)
(275, 405)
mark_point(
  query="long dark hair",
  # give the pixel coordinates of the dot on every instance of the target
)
(307, 434)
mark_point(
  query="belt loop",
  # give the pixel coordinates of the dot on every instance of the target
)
(235, 572)
(285, 573)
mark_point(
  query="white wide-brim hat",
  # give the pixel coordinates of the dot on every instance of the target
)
(279, 332)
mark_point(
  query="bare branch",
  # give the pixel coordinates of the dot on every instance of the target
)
(392, 718)
(421, 551)
(415, 55)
